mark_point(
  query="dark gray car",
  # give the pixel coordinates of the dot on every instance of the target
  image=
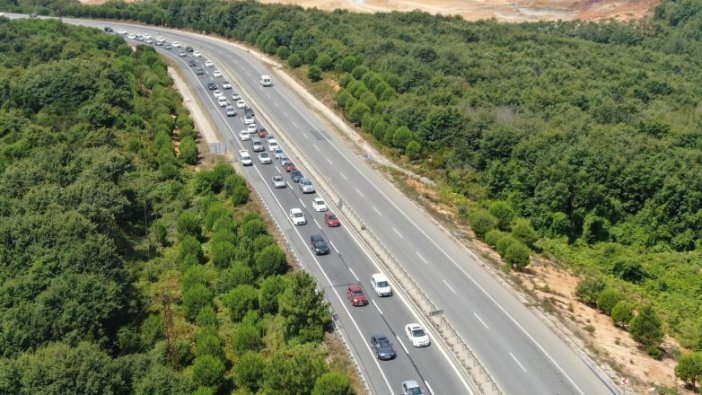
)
(319, 246)
(383, 348)
(296, 175)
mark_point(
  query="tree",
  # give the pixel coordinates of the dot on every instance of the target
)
(240, 300)
(249, 372)
(188, 224)
(689, 367)
(208, 342)
(413, 150)
(208, 371)
(357, 111)
(195, 298)
(294, 61)
(349, 63)
(270, 261)
(647, 328)
(188, 150)
(306, 314)
(324, 62)
(517, 255)
(482, 221)
(282, 52)
(607, 299)
(524, 232)
(494, 236)
(294, 371)
(269, 292)
(314, 73)
(401, 137)
(161, 380)
(238, 274)
(504, 213)
(622, 313)
(246, 337)
(332, 383)
(588, 288)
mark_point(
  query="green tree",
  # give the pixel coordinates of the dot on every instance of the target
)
(482, 222)
(622, 313)
(524, 232)
(161, 380)
(208, 342)
(240, 300)
(607, 299)
(689, 367)
(188, 150)
(494, 236)
(282, 52)
(588, 288)
(401, 137)
(249, 372)
(306, 314)
(238, 274)
(357, 111)
(517, 255)
(413, 150)
(332, 383)
(348, 63)
(314, 73)
(271, 289)
(504, 213)
(647, 328)
(207, 317)
(294, 61)
(246, 337)
(270, 261)
(208, 371)
(188, 224)
(324, 62)
(294, 371)
(195, 298)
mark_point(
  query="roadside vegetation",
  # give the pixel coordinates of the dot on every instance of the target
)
(124, 269)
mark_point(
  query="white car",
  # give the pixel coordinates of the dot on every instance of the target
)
(297, 216)
(222, 101)
(121, 31)
(265, 80)
(279, 182)
(417, 335)
(244, 135)
(245, 158)
(217, 93)
(131, 36)
(197, 54)
(217, 73)
(306, 186)
(264, 158)
(381, 284)
(146, 36)
(230, 111)
(175, 44)
(251, 128)
(272, 144)
(248, 120)
(240, 103)
(318, 204)
(209, 63)
(227, 85)
(278, 153)
(236, 97)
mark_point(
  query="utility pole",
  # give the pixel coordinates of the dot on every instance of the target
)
(168, 330)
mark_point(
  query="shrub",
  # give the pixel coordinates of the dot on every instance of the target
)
(282, 52)
(524, 232)
(622, 313)
(314, 73)
(324, 62)
(517, 255)
(294, 61)
(271, 260)
(503, 212)
(482, 222)
(332, 383)
(494, 236)
(195, 298)
(188, 150)
(413, 150)
(647, 328)
(248, 373)
(246, 338)
(504, 243)
(240, 300)
(188, 224)
(689, 367)
(208, 371)
(607, 299)
(588, 289)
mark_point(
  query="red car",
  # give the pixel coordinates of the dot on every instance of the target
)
(262, 132)
(290, 167)
(356, 295)
(331, 220)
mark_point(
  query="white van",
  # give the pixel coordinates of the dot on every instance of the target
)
(266, 80)
(381, 284)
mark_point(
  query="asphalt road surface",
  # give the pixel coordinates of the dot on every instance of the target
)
(516, 347)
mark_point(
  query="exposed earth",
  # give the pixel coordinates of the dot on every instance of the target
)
(501, 10)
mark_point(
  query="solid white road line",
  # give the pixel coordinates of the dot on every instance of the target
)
(422, 258)
(302, 203)
(517, 361)
(431, 391)
(449, 287)
(316, 223)
(334, 247)
(481, 320)
(398, 233)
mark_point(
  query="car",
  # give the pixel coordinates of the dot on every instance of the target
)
(107, 29)
(149, 41)
(217, 93)
(183, 54)
(262, 132)
(145, 36)
(284, 162)
(192, 63)
(290, 167)
(272, 144)
(382, 347)
(417, 336)
(230, 111)
(199, 70)
(217, 73)
(226, 85)
(211, 86)
(197, 54)
(240, 103)
(318, 204)
(278, 153)
(248, 120)
(121, 31)
(306, 185)
(245, 158)
(319, 246)
(249, 111)
(279, 182)
(244, 135)
(331, 220)
(175, 44)
(356, 295)
(159, 43)
(265, 80)
(209, 63)
(411, 387)
(264, 158)
(381, 284)
(251, 127)
(222, 101)
(131, 36)
(257, 145)
(297, 217)
(189, 49)
(296, 175)
(235, 96)
(168, 47)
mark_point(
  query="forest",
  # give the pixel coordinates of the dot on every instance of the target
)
(124, 269)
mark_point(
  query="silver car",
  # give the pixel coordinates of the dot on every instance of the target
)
(230, 111)
(264, 158)
(279, 182)
(306, 186)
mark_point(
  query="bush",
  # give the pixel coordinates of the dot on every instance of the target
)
(188, 150)
(689, 367)
(248, 373)
(222, 253)
(208, 371)
(324, 62)
(314, 73)
(209, 343)
(482, 222)
(504, 243)
(188, 224)
(195, 298)
(332, 383)
(413, 150)
(607, 299)
(647, 328)
(207, 317)
(401, 137)
(271, 288)
(517, 255)
(503, 212)
(282, 52)
(588, 289)
(246, 338)
(271, 260)
(238, 274)
(524, 232)
(190, 251)
(494, 236)
(622, 313)
(240, 300)
(294, 61)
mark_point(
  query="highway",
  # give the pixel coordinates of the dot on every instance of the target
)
(521, 352)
